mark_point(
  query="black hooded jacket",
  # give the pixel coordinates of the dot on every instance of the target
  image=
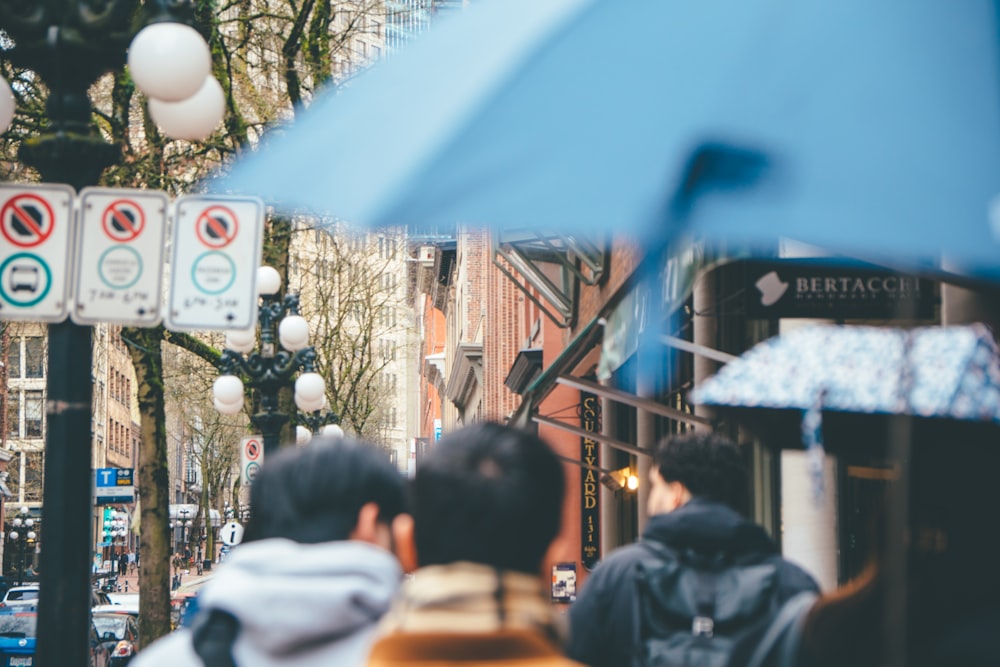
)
(603, 627)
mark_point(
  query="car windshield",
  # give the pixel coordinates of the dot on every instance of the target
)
(18, 625)
(22, 594)
(113, 623)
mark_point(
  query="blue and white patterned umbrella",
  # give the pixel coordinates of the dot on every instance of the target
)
(949, 372)
(932, 372)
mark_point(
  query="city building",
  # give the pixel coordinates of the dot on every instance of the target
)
(114, 419)
(567, 336)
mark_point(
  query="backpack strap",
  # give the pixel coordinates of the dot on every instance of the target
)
(703, 624)
(213, 636)
(662, 553)
(785, 633)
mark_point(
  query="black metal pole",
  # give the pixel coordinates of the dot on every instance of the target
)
(20, 563)
(71, 152)
(64, 599)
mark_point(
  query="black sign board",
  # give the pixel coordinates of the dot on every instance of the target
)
(590, 499)
(822, 288)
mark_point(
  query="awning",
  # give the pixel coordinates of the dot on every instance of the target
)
(188, 511)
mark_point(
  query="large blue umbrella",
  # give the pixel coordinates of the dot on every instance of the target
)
(870, 128)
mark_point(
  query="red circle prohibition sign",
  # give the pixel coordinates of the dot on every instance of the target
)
(253, 450)
(216, 227)
(26, 220)
(123, 220)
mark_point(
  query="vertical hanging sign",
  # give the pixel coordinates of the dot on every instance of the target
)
(590, 500)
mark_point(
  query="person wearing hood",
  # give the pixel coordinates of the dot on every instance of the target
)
(697, 483)
(314, 573)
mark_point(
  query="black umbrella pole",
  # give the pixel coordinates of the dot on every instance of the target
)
(64, 600)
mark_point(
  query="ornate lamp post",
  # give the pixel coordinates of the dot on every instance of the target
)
(269, 368)
(115, 527)
(69, 44)
(22, 538)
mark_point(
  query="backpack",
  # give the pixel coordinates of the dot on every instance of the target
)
(702, 610)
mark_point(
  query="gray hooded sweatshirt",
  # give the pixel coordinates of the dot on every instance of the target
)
(297, 604)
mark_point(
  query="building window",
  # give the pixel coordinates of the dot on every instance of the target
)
(34, 409)
(33, 476)
(14, 414)
(14, 357)
(190, 466)
(34, 357)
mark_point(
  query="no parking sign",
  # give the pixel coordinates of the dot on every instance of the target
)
(36, 226)
(216, 251)
(251, 456)
(119, 267)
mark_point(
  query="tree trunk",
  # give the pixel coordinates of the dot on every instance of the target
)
(153, 485)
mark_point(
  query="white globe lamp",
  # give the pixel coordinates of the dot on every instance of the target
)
(311, 387)
(302, 435)
(333, 431)
(193, 118)
(309, 406)
(228, 389)
(169, 61)
(6, 105)
(241, 340)
(293, 332)
(268, 281)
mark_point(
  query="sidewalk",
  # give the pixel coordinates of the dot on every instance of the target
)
(130, 582)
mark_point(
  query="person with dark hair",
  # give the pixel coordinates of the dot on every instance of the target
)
(314, 572)
(702, 585)
(487, 504)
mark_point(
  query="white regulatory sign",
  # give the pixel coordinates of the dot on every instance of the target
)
(36, 227)
(119, 256)
(216, 250)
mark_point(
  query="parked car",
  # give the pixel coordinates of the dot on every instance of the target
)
(18, 633)
(99, 597)
(28, 594)
(20, 595)
(118, 630)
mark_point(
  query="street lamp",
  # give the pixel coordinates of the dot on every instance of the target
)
(22, 538)
(115, 526)
(269, 369)
(69, 44)
(184, 524)
(324, 423)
